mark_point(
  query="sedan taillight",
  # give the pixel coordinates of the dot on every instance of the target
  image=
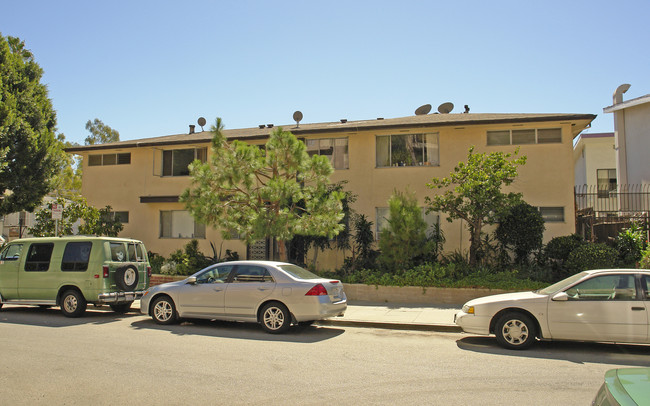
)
(318, 290)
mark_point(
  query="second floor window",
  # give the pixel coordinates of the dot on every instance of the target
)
(606, 181)
(175, 162)
(407, 150)
(335, 149)
(109, 159)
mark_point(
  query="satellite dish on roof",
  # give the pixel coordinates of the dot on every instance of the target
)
(201, 121)
(297, 116)
(445, 108)
(423, 110)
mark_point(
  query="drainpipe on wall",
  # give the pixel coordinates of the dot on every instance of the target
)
(619, 136)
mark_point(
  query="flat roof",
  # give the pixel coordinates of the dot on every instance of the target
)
(344, 126)
(628, 103)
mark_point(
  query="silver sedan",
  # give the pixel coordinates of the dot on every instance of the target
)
(274, 294)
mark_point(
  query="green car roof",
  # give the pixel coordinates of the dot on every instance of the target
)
(629, 386)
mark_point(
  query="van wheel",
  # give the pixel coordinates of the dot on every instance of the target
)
(73, 304)
(122, 307)
(126, 277)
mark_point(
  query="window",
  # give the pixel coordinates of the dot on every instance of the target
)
(109, 159)
(521, 137)
(215, 274)
(118, 252)
(251, 273)
(76, 256)
(38, 257)
(11, 253)
(606, 181)
(407, 150)
(605, 287)
(136, 254)
(121, 216)
(335, 149)
(552, 214)
(383, 215)
(175, 162)
(180, 224)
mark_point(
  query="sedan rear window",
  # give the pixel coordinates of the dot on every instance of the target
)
(298, 272)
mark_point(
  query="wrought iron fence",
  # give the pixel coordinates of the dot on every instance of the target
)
(602, 212)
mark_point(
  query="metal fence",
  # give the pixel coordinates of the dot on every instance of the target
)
(601, 213)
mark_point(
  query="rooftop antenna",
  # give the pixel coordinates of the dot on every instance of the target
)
(423, 110)
(297, 116)
(201, 121)
(445, 108)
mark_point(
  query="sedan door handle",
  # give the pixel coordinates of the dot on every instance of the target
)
(638, 308)
(217, 289)
(262, 289)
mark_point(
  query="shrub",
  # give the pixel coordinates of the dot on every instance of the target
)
(405, 238)
(591, 256)
(156, 261)
(521, 230)
(630, 244)
(559, 248)
(187, 261)
(645, 258)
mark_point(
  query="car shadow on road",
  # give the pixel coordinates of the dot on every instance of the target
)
(243, 331)
(576, 352)
(52, 317)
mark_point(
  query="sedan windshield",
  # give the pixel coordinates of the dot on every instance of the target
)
(561, 284)
(298, 272)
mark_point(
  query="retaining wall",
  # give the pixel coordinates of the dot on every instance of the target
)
(390, 294)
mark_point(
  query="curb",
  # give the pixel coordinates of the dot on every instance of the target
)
(445, 328)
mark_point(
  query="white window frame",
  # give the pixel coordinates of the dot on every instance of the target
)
(337, 161)
(515, 130)
(179, 226)
(173, 152)
(432, 150)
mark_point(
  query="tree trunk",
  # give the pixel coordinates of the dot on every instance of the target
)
(474, 243)
(282, 251)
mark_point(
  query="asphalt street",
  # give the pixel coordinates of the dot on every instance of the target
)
(105, 358)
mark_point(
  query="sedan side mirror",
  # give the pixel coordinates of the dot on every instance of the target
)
(191, 280)
(560, 297)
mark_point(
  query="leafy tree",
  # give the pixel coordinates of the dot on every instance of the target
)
(405, 238)
(363, 255)
(273, 192)
(67, 181)
(300, 244)
(100, 133)
(93, 221)
(29, 152)
(476, 196)
(522, 230)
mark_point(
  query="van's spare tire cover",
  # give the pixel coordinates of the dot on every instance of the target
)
(126, 277)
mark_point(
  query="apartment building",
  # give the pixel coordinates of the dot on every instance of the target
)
(143, 178)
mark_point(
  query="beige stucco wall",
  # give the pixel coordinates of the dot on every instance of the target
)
(595, 153)
(545, 180)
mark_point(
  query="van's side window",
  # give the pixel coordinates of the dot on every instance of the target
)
(11, 253)
(76, 256)
(118, 252)
(140, 252)
(38, 257)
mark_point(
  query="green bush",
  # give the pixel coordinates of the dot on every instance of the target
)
(156, 261)
(187, 261)
(591, 256)
(630, 244)
(521, 230)
(645, 258)
(559, 248)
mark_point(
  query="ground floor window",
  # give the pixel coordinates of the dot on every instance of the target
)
(552, 214)
(180, 224)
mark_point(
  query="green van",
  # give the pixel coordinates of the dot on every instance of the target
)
(71, 272)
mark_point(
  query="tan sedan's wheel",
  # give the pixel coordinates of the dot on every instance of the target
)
(163, 310)
(515, 331)
(275, 318)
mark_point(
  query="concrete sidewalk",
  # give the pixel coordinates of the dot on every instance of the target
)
(397, 316)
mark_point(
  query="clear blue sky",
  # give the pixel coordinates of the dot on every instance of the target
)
(151, 68)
